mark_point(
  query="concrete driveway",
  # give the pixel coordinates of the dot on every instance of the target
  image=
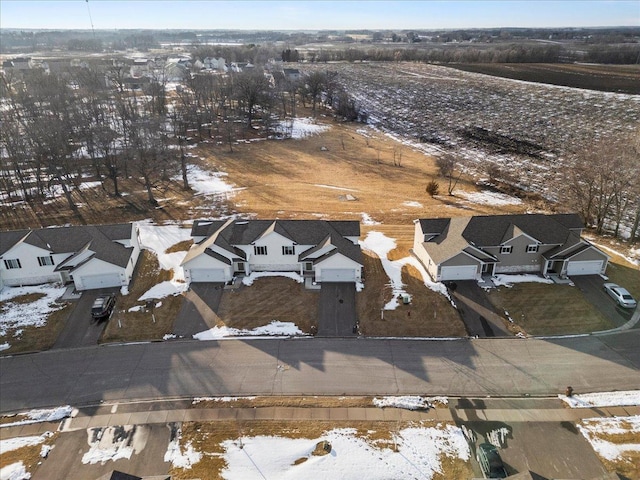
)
(337, 309)
(477, 312)
(592, 288)
(80, 329)
(199, 309)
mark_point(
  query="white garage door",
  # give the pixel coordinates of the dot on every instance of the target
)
(338, 275)
(458, 273)
(207, 275)
(590, 267)
(101, 281)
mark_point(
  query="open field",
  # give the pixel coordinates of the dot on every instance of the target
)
(608, 78)
(527, 130)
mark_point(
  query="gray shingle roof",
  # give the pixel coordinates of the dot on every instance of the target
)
(303, 232)
(488, 231)
(99, 238)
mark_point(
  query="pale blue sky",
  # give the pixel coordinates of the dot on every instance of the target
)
(316, 14)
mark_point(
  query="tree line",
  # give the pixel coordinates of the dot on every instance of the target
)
(60, 128)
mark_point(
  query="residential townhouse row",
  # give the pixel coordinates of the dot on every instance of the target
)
(462, 248)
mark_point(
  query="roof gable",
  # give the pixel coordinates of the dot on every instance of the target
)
(490, 231)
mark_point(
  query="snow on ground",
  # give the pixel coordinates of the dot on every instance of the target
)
(381, 245)
(114, 443)
(351, 457)
(180, 458)
(603, 399)
(249, 279)
(409, 402)
(412, 204)
(15, 316)
(14, 471)
(197, 400)
(274, 329)
(10, 444)
(41, 415)
(335, 188)
(594, 428)
(633, 257)
(4, 346)
(301, 127)
(158, 238)
(487, 197)
(205, 182)
(509, 280)
(367, 220)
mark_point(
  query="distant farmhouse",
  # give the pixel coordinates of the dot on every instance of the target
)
(467, 248)
(91, 257)
(325, 251)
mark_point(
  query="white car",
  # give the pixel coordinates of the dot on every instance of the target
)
(620, 295)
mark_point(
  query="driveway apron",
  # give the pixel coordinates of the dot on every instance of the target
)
(476, 310)
(199, 309)
(80, 329)
(337, 310)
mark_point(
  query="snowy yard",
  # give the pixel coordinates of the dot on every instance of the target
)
(345, 453)
(381, 245)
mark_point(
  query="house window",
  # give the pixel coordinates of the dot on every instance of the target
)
(44, 261)
(506, 250)
(12, 263)
(308, 266)
(532, 248)
(288, 250)
(260, 249)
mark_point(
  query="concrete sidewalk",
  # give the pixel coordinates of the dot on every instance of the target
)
(83, 421)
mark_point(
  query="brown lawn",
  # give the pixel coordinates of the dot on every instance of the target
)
(140, 325)
(430, 314)
(268, 299)
(207, 438)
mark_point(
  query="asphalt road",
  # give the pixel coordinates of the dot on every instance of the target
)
(479, 367)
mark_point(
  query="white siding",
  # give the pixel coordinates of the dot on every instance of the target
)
(205, 262)
(274, 260)
(30, 271)
(338, 261)
(97, 267)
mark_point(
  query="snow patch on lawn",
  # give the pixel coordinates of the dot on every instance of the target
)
(14, 471)
(487, 197)
(412, 204)
(41, 415)
(14, 315)
(351, 458)
(181, 457)
(593, 428)
(603, 399)
(204, 182)
(301, 127)
(10, 444)
(410, 402)
(158, 238)
(249, 279)
(336, 188)
(274, 329)
(509, 280)
(381, 245)
(197, 400)
(367, 220)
